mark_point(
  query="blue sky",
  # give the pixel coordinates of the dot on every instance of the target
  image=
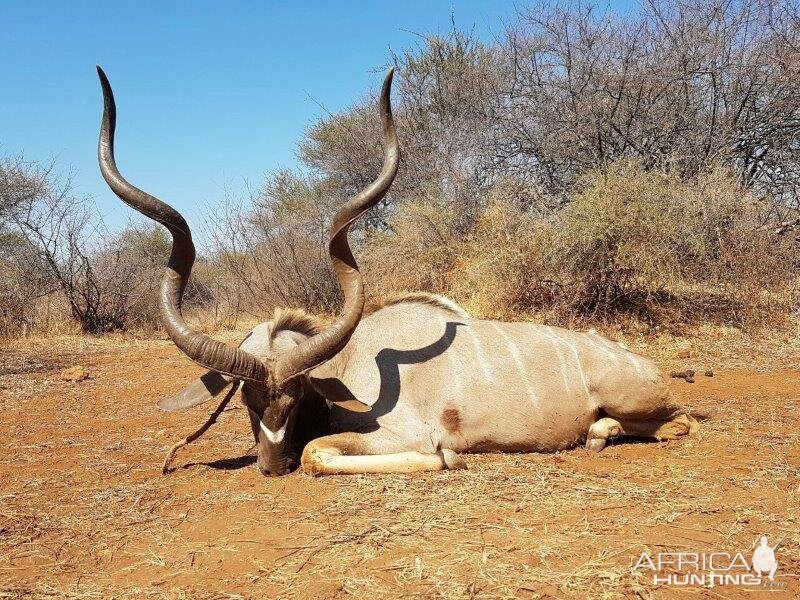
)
(210, 95)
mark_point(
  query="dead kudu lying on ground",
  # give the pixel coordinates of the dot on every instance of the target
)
(414, 382)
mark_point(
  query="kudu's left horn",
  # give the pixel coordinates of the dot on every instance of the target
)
(321, 347)
(199, 347)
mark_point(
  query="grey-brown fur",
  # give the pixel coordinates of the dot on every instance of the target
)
(420, 382)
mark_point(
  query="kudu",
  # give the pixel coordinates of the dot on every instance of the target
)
(414, 382)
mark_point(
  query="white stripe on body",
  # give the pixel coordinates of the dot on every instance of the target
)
(456, 387)
(630, 357)
(518, 360)
(476, 344)
(561, 361)
(603, 348)
(561, 340)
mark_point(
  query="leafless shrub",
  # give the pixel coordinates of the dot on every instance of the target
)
(26, 278)
(127, 270)
(25, 281)
(689, 85)
(53, 252)
(276, 253)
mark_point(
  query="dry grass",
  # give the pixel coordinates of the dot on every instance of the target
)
(84, 512)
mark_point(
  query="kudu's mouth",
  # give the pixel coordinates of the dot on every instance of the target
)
(276, 468)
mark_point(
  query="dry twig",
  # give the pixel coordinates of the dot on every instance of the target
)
(166, 469)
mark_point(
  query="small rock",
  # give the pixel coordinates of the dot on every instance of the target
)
(687, 375)
(76, 373)
(709, 373)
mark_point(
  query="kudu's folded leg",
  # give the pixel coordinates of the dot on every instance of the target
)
(354, 453)
(601, 431)
(666, 429)
(609, 428)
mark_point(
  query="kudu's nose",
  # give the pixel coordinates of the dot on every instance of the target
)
(272, 470)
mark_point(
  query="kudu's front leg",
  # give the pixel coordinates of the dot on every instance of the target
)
(354, 453)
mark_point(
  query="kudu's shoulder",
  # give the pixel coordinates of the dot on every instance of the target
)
(400, 329)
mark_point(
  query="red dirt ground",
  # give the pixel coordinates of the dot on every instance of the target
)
(85, 512)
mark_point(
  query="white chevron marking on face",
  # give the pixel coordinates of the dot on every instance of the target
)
(273, 436)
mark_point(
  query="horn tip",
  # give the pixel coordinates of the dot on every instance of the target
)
(387, 86)
(104, 83)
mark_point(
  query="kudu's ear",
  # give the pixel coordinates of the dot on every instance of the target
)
(196, 393)
(211, 383)
(338, 388)
(354, 405)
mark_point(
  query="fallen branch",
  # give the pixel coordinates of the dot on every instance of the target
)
(787, 226)
(166, 469)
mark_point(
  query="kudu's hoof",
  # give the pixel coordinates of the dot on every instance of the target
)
(595, 445)
(453, 461)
